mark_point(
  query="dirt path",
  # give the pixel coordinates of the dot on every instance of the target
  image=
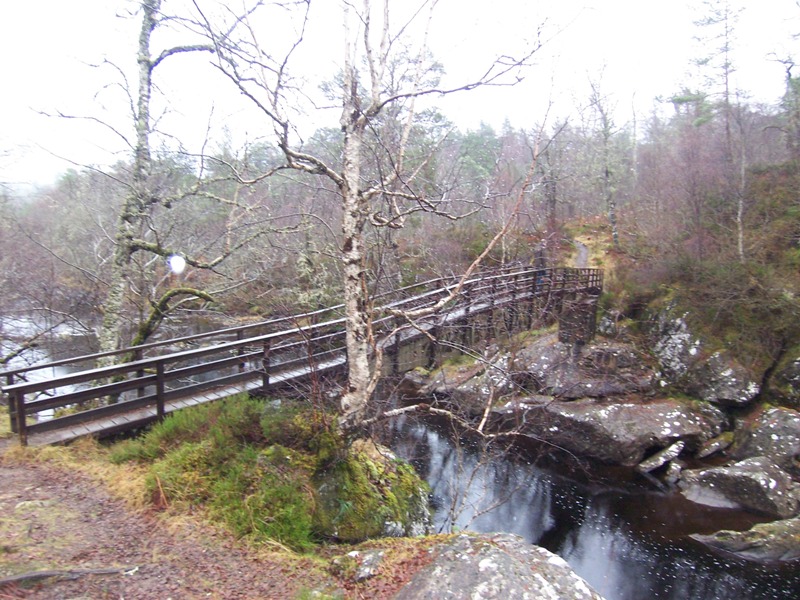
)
(582, 260)
(51, 519)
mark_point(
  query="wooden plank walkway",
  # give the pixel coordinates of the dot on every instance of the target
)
(146, 389)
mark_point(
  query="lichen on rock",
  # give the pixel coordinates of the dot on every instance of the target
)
(496, 567)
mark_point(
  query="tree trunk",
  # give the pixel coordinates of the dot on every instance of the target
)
(135, 204)
(353, 403)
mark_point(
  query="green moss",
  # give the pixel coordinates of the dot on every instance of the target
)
(275, 474)
(358, 495)
(459, 360)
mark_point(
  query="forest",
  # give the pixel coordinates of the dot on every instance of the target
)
(692, 194)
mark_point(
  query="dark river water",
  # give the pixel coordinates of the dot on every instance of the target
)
(629, 541)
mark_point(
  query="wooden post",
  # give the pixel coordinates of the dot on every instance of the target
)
(240, 350)
(137, 356)
(466, 338)
(492, 292)
(22, 428)
(160, 390)
(432, 347)
(12, 411)
(265, 366)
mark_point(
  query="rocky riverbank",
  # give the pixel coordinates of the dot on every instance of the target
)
(671, 405)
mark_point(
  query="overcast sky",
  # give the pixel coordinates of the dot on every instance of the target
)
(638, 49)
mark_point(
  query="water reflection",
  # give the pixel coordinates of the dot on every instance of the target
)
(628, 542)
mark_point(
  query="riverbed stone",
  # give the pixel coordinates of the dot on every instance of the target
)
(659, 459)
(774, 433)
(495, 567)
(755, 484)
(600, 369)
(773, 541)
(613, 431)
(714, 445)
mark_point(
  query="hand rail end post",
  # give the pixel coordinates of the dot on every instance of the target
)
(22, 428)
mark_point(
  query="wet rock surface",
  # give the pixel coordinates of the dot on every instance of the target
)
(775, 433)
(722, 380)
(785, 383)
(676, 348)
(776, 541)
(685, 362)
(755, 483)
(612, 431)
(602, 368)
(470, 387)
(501, 567)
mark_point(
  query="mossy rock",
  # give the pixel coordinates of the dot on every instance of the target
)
(368, 494)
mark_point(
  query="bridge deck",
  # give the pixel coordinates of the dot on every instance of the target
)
(146, 388)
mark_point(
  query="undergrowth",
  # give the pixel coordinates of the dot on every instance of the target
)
(274, 474)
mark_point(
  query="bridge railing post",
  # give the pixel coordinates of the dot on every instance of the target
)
(240, 349)
(511, 312)
(137, 356)
(492, 294)
(396, 323)
(12, 411)
(160, 390)
(434, 341)
(22, 426)
(466, 335)
(265, 366)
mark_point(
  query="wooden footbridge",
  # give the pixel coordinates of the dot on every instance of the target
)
(155, 379)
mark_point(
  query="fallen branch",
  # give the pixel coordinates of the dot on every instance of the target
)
(68, 574)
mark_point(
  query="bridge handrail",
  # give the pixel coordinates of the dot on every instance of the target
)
(485, 289)
(139, 350)
(484, 276)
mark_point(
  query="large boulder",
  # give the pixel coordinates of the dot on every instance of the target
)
(776, 434)
(774, 541)
(495, 567)
(612, 431)
(675, 346)
(755, 484)
(368, 493)
(686, 362)
(720, 378)
(600, 369)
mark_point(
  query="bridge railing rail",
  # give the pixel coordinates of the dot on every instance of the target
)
(290, 346)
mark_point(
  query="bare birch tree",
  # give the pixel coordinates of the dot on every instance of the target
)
(137, 232)
(376, 197)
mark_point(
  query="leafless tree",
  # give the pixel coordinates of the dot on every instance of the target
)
(389, 191)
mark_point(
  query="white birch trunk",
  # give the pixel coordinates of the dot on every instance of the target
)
(135, 202)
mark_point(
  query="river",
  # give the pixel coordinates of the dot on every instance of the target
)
(628, 540)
